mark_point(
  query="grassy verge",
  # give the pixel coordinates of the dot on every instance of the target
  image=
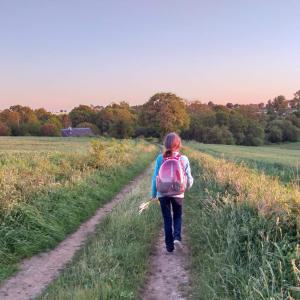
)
(240, 249)
(272, 160)
(45, 217)
(114, 262)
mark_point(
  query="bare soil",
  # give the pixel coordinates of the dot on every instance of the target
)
(168, 276)
(38, 271)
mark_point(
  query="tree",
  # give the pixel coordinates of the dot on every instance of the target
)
(220, 135)
(165, 112)
(254, 134)
(117, 120)
(12, 119)
(251, 111)
(82, 113)
(237, 126)
(222, 118)
(50, 129)
(295, 102)
(65, 120)
(27, 115)
(42, 114)
(294, 119)
(274, 134)
(290, 133)
(229, 105)
(279, 105)
(202, 117)
(4, 129)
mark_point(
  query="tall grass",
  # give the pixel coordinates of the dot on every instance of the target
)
(113, 264)
(266, 194)
(242, 229)
(49, 195)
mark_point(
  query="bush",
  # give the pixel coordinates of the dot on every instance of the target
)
(50, 130)
(254, 134)
(274, 134)
(290, 133)
(220, 135)
(4, 129)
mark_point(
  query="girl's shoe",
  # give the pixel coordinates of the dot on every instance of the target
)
(178, 245)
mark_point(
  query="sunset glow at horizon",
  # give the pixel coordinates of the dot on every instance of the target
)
(59, 54)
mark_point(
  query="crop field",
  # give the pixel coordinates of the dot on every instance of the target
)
(282, 161)
(43, 182)
(43, 144)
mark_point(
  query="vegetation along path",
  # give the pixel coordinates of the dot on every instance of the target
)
(38, 271)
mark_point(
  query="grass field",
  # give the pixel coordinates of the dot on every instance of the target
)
(43, 144)
(44, 195)
(282, 161)
(242, 228)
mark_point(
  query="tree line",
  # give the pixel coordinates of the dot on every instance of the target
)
(241, 124)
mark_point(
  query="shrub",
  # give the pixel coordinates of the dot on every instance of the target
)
(274, 134)
(4, 129)
(220, 135)
(49, 129)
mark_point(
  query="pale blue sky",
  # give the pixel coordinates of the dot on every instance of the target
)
(59, 53)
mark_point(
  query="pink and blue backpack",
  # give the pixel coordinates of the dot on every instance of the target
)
(171, 179)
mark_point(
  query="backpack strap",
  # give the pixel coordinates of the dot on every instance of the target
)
(178, 156)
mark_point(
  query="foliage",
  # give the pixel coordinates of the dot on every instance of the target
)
(4, 129)
(165, 112)
(242, 232)
(46, 195)
(117, 120)
(82, 113)
(278, 106)
(241, 124)
(282, 131)
(254, 134)
(219, 135)
(49, 129)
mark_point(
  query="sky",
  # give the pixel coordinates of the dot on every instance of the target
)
(58, 54)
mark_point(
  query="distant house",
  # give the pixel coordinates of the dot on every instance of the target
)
(76, 132)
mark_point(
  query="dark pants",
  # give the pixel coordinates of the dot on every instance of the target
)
(170, 235)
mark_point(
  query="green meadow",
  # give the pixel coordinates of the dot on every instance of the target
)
(282, 160)
(241, 216)
(48, 187)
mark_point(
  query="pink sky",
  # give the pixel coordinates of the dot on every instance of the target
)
(59, 54)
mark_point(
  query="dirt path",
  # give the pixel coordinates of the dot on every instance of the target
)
(38, 271)
(168, 278)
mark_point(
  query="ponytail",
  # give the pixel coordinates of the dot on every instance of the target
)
(167, 153)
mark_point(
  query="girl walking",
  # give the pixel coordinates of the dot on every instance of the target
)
(172, 175)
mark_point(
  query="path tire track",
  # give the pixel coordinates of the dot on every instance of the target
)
(168, 276)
